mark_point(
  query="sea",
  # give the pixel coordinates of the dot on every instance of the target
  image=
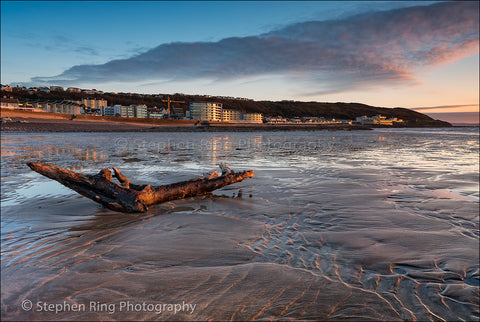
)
(335, 225)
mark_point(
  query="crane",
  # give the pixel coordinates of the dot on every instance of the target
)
(168, 104)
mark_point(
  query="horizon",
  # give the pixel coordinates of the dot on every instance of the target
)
(385, 54)
(454, 118)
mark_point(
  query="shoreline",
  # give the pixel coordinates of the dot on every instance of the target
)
(27, 121)
(31, 122)
(72, 126)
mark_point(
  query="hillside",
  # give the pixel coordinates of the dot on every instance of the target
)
(337, 110)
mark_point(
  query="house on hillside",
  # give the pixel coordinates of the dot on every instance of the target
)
(74, 90)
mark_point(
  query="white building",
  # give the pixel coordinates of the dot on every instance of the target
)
(377, 119)
(277, 120)
(128, 111)
(157, 113)
(11, 103)
(253, 117)
(141, 111)
(231, 115)
(112, 111)
(50, 106)
(206, 111)
(92, 103)
(62, 107)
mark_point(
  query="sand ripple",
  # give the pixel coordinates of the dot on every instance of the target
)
(341, 231)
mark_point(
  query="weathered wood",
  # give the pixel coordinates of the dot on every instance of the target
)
(129, 197)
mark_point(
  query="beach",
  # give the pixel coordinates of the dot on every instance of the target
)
(240, 161)
(25, 121)
(362, 225)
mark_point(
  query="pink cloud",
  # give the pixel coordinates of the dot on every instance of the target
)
(371, 48)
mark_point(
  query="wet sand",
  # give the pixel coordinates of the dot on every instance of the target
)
(371, 225)
(172, 256)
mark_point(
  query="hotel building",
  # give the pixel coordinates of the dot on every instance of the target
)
(253, 118)
(206, 111)
(231, 115)
(139, 111)
(92, 103)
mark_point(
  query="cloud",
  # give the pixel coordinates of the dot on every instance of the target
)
(457, 117)
(60, 43)
(86, 50)
(465, 108)
(372, 48)
(445, 107)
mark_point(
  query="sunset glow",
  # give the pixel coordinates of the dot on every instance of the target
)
(420, 55)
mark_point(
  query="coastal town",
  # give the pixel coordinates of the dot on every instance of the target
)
(201, 111)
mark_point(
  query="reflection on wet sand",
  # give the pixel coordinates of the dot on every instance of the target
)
(365, 226)
(110, 258)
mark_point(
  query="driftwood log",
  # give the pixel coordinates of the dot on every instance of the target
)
(129, 197)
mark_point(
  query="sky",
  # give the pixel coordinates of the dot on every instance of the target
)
(422, 55)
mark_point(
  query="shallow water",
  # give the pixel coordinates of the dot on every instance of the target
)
(372, 225)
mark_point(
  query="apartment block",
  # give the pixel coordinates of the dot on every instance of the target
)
(125, 111)
(229, 115)
(50, 106)
(141, 111)
(206, 111)
(253, 117)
